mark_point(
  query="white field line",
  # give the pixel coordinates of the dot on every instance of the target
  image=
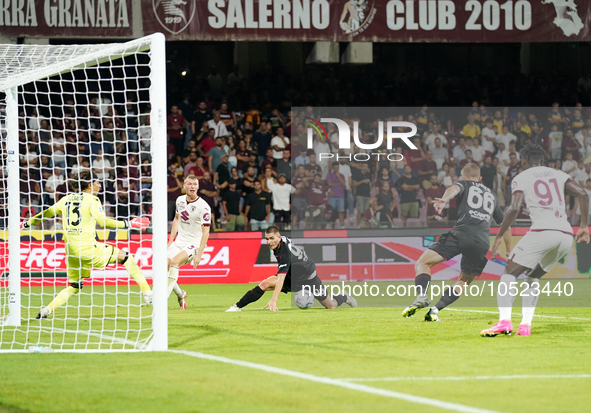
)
(462, 378)
(455, 407)
(535, 315)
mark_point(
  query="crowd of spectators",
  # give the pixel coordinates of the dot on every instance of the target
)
(255, 168)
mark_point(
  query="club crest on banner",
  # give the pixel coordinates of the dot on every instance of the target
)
(356, 16)
(567, 16)
(174, 15)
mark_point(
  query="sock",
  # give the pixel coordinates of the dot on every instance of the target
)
(173, 275)
(135, 273)
(340, 299)
(422, 282)
(63, 296)
(250, 297)
(177, 290)
(505, 301)
(449, 297)
(529, 301)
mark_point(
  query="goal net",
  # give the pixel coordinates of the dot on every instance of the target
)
(65, 109)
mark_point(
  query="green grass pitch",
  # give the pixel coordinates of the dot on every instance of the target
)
(376, 344)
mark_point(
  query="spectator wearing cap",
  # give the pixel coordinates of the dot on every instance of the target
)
(258, 208)
(231, 206)
(337, 184)
(281, 192)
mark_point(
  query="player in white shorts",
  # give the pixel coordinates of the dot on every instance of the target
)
(191, 222)
(548, 240)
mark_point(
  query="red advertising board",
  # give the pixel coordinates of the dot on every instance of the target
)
(370, 20)
(223, 261)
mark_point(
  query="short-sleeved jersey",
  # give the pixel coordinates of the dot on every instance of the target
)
(293, 260)
(543, 190)
(80, 214)
(191, 217)
(476, 206)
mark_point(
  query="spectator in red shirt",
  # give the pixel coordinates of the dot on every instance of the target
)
(207, 143)
(175, 125)
(313, 168)
(570, 145)
(435, 191)
(414, 157)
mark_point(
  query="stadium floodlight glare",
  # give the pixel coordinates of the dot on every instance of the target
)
(61, 106)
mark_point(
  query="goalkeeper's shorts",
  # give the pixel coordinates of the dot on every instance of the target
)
(99, 256)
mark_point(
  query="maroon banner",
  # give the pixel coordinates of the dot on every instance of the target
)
(66, 18)
(370, 20)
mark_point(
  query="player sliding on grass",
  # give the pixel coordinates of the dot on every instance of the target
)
(295, 270)
(469, 237)
(194, 214)
(549, 238)
(80, 214)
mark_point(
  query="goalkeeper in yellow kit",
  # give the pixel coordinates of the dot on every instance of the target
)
(81, 211)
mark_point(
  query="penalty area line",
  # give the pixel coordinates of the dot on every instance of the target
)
(455, 407)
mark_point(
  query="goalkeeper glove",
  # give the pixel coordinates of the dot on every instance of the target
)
(141, 223)
(24, 225)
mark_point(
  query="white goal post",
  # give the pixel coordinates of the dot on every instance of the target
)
(61, 106)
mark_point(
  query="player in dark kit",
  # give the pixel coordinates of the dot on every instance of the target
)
(469, 237)
(295, 270)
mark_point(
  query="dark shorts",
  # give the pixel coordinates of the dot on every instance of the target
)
(291, 285)
(473, 252)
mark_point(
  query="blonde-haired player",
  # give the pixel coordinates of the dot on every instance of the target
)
(191, 222)
(81, 212)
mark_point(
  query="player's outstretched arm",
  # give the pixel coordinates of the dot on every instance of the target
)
(42, 216)
(99, 215)
(450, 193)
(272, 304)
(572, 188)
